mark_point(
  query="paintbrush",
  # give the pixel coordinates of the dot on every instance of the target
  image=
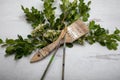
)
(73, 32)
(63, 60)
(50, 61)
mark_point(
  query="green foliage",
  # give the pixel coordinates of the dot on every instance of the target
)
(75, 10)
(84, 10)
(1, 41)
(44, 34)
(34, 16)
(49, 12)
(102, 36)
(70, 45)
(10, 41)
(23, 47)
(81, 40)
(71, 11)
(20, 47)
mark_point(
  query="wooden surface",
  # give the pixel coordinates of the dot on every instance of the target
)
(88, 62)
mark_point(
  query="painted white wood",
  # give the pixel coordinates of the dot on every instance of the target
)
(89, 62)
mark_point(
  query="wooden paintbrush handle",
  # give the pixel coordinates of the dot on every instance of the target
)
(46, 50)
(42, 53)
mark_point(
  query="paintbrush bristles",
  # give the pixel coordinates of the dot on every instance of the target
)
(76, 30)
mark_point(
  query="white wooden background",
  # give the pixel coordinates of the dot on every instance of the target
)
(88, 62)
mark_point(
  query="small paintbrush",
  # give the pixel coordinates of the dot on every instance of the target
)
(50, 61)
(63, 60)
